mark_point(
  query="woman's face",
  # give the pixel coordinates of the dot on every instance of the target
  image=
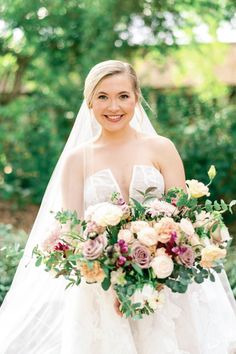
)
(114, 102)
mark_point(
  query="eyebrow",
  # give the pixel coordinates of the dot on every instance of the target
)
(104, 93)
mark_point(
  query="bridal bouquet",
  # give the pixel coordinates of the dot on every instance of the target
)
(140, 248)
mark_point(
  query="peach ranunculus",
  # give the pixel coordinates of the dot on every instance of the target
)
(136, 226)
(147, 236)
(210, 254)
(107, 214)
(162, 266)
(126, 235)
(186, 226)
(91, 275)
(197, 189)
(164, 229)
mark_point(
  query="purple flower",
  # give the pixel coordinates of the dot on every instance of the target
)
(121, 260)
(92, 249)
(61, 247)
(179, 250)
(141, 255)
(123, 246)
(186, 256)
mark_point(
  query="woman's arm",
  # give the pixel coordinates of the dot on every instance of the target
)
(72, 183)
(170, 163)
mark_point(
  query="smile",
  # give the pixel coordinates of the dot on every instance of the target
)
(114, 118)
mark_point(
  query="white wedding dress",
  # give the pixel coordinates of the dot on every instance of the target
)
(201, 321)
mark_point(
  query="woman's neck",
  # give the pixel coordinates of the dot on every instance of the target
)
(120, 136)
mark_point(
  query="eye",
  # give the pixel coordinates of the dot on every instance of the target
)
(124, 97)
(102, 97)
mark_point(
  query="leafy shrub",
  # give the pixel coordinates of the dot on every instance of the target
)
(11, 250)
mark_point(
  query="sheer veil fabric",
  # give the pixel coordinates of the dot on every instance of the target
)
(36, 310)
(32, 312)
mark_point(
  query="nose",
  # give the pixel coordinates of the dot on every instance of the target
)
(113, 105)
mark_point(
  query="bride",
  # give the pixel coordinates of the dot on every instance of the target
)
(112, 147)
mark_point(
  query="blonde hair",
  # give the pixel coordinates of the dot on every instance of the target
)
(105, 69)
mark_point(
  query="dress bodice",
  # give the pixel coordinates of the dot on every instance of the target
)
(100, 185)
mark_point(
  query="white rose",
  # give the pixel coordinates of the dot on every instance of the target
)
(162, 266)
(186, 226)
(107, 215)
(147, 236)
(136, 226)
(126, 235)
(196, 189)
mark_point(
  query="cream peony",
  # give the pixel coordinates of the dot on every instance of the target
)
(126, 235)
(197, 189)
(162, 266)
(164, 229)
(90, 211)
(210, 254)
(147, 236)
(136, 226)
(107, 214)
(186, 226)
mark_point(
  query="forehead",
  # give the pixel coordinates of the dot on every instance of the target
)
(115, 83)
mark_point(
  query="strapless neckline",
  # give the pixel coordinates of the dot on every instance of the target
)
(134, 168)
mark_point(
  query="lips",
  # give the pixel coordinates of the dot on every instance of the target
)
(114, 118)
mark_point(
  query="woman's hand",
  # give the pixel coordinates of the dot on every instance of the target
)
(117, 307)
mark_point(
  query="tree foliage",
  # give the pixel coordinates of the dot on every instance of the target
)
(47, 48)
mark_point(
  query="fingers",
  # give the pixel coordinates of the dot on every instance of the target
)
(117, 308)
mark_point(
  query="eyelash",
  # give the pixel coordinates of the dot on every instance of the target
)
(102, 97)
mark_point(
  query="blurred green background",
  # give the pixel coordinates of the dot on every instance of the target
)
(185, 56)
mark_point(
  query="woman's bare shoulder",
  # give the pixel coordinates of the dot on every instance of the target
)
(160, 142)
(77, 154)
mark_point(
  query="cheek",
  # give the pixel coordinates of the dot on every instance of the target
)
(97, 108)
(129, 106)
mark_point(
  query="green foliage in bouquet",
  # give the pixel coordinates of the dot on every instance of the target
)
(139, 249)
